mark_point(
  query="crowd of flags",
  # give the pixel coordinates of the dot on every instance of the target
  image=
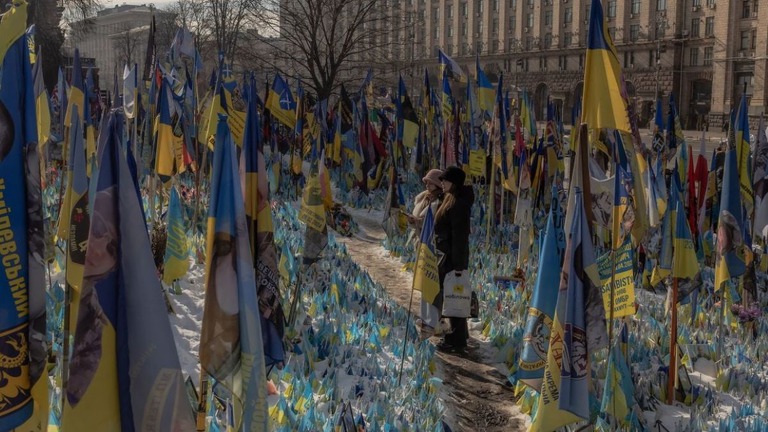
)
(124, 153)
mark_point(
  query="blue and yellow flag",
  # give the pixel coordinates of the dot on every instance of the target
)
(281, 102)
(538, 326)
(584, 328)
(604, 103)
(658, 128)
(447, 100)
(125, 372)
(743, 160)
(485, 92)
(448, 66)
(169, 144)
(425, 277)
(684, 264)
(258, 215)
(22, 293)
(176, 260)
(730, 226)
(618, 391)
(42, 104)
(231, 345)
(622, 185)
(408, 121)
(76, 98)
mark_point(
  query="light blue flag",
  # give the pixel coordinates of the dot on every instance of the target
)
(231, 343)
(541, 312)
(584, 324)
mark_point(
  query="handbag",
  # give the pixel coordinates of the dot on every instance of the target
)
(457, 295)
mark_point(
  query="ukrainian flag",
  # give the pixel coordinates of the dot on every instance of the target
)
(125, 372)
(743, 155)
(448, 66)
(684, 263)
(604, 103)
(730, 227)
(618, 392)
(165, 141)
(90, 128)
(621, 184)
(425, 277)
(447, 99)
(408, 127)
(176, 259)
(76, 92)
(42, 104)
(485, 92)
(658, 128)
(281, 102)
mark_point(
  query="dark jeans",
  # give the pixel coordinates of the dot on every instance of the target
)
(459, 332)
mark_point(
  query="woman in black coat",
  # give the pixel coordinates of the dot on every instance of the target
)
(452, 227)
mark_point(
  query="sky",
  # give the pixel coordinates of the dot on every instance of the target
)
(158, 3)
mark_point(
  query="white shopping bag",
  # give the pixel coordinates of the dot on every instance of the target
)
(457, 295)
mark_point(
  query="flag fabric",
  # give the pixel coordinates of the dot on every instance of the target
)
(312, 213)
(231, 346)
(425, 276)
(42, 104)
(621, 192)
(151, 56)
(281, 102)
(258, 215)
(169, 141)
(130, 89)
(447, 100)
(176, 259)
(408, 125)
(76, 97)
(730, 227)
(584, 328)
(743, 156)
(658, 128)
(664, 264)
(23, 388)
(485, 92)
(684, 263)
(603, 101)
(760, 169)
(448, 66)
(618, 391)
(125, 372)
(538, 326)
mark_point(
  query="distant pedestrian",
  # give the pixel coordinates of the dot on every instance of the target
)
(452, 229)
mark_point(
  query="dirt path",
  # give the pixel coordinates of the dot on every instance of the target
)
(477, 395)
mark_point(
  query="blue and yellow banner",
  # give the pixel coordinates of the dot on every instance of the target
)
(425, 276)
(623, 276)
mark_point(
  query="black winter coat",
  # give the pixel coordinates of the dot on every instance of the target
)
(452, 232)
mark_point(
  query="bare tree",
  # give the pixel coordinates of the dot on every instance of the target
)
(127, 44)
(328, 42)
(193, 15)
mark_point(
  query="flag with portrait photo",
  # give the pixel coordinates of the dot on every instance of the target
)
(125, 372)
(258, 215)
(729, 262)
(231, 346)
(604, 105)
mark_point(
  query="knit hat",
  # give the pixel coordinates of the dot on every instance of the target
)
(454, 175)
(433, 176)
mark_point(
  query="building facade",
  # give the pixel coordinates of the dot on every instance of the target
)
(705, 52)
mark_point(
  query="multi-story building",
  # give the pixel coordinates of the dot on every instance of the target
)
(702, 51)
(117, 36)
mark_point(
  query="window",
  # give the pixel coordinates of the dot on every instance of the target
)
(612, 8)
(495, 5)
(548, 18)
(568, 39)
(697, 3)
(651, 58)
(479, 47)
(449, 30)
(436, 14)
(464, 29)
(528, 43)
(661, 5)
(542, 63)
(529, 21)
(495, 45)
(695, 24)
(694, 57)
(562, 62)
(449, 11)
(754, 8)
(708, 56)
(612, 33)
(437, 32)
(464, 9)
(512, 24)
(530, 3)
(660, 30)
(568, 16)
(711, 3)
(636, 7)
(709, 26)
(479, 6)
(629, 59)
(634, 32)
(588, 9)
(581, 61)
(480, 27)
(745, 9)
(525, 65)
(495, 26)
(548, 40)
(753, 44)
(513, 4)
(746, 35)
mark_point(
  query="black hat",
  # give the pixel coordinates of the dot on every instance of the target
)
(454, 175)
